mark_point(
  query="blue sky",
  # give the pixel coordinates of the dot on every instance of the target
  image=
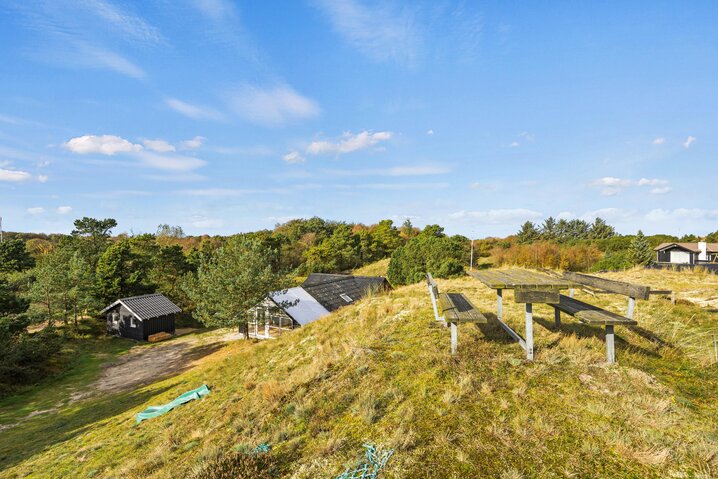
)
(224, 116)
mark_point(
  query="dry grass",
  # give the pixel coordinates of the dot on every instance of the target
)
(380, 371)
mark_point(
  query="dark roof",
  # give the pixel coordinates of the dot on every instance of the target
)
(710, 247)
(147, 306)
(336, 290)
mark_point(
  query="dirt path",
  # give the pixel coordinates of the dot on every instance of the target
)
(145, 364)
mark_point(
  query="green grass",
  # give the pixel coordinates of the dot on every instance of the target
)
(380, 371)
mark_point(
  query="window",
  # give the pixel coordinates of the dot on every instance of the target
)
(346, 298)
(129, 320)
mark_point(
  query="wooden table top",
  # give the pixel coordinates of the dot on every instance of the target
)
(519, 278)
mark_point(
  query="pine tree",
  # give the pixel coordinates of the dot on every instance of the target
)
(528, 233)
(640, 252)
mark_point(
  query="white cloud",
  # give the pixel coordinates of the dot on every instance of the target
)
(498, 217)
(682, 215)
(377, 31)
(293, 157)
(160, 146)
(216, 192)
(15, 176)
(514, 144)
(215, 9)
(274, 106)
(612, 181)
(42, 178)
(430, 132)
(103, 144)
(96, 57)
(348, 143)
(193, 143)
(63, 210)
(616, 215)
(196, 112)
(652, 182)
(482, 186)
(37, 210)
(206, 222)
(689, 141)
(170, 162)
(415, 170)
(659, 141)
(131, 26)
(611, 186)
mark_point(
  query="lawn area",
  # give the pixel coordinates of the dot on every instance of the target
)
(380, 371)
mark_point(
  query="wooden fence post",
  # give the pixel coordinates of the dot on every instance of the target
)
(454, 338)
(610, 346)
(529, 332)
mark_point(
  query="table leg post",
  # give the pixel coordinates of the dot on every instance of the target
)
(631, 307)
(500, 304)
(557, 317)
(610, 347)
(454, 338)
(571, 292)
(529, 332)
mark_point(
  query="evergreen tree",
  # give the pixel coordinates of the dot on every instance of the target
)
(14, 256)
(121, 273)
(640, 251)
(407, 229)
(528, 233)
(601, 230)
(548, 229)
(231, 282)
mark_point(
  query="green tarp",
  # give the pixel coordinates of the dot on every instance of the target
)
(154, 411)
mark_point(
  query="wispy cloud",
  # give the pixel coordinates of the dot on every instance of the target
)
(659, 141)
(63, 210)
(170, 162)
(36, 210)
(193, 143)
(482, 186)
(689, 141)
(415, 170)
(348, 143)
(293, 157)
(196, 112)
(379, 31)
(273, 106)
(611, 185)
(160, 146)
(14, 176)
(498, 216)
(223, 27)
(130, 26)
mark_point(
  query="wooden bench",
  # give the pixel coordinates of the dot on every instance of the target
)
(452, 308)
(593, 315)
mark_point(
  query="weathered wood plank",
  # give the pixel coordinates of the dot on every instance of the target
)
(457, 308)
(513, 278)
(522, 295)
(619, 287)
(590, 314)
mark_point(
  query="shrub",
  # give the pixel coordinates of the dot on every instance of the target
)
(239, 465)
(429, 252)
(545, 254)
(613, 262)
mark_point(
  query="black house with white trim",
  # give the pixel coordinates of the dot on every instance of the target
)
(139, 317)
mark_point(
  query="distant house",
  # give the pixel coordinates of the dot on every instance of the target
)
(141, 316)
(318, 295)
(687, 253)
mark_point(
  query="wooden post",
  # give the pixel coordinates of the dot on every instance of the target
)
(571, 292)
(610, 347)
(631, 307)
(454, 338)
(433, 303)
(557, 317)
(529, 332)
(673, 298)
(500, 304)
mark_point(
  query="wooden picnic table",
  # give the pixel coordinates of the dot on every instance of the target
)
(529, 288)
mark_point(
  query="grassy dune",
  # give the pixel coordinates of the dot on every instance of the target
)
(380, 371)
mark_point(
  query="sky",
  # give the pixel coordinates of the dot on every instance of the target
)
(224, 116)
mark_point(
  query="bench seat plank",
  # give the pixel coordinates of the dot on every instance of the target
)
(456, 308)
(590, 314)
